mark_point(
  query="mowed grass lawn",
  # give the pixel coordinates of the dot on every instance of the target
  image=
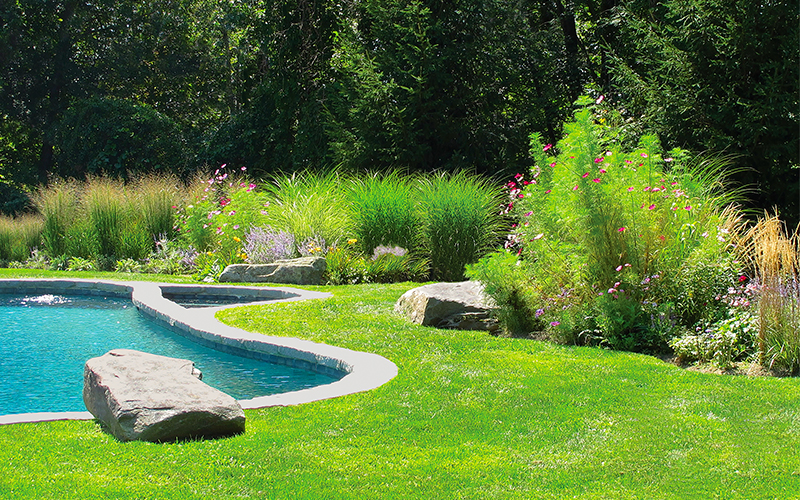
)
(469, 416)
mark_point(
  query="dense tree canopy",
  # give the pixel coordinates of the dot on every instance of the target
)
(182, 85)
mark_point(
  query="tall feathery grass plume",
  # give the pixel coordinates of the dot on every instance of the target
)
(20, 236)
(157, 197)
(59, 204)
(774, 260)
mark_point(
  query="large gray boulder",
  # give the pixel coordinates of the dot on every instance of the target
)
(462, 306)
(302, 271)
(145, 397)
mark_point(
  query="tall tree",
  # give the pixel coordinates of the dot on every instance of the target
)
(715, 75)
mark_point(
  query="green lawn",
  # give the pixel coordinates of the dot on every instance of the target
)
(469, 416)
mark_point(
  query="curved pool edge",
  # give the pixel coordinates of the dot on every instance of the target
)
(363, 371)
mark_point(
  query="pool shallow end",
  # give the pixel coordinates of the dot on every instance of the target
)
(363, 371)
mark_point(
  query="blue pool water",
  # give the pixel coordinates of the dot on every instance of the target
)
(45, 341)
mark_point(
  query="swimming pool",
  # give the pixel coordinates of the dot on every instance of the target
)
(46, 340)
(358, 371)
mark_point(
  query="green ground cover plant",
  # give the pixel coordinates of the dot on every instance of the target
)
(468, 416)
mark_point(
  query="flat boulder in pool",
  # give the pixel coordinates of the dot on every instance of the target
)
(145, 397)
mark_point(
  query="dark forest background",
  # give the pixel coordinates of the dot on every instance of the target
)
(127, 86)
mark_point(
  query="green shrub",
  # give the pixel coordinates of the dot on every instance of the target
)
(80, 264)
(721, 344)
(626, 232)
(506, 281)
(459, 221)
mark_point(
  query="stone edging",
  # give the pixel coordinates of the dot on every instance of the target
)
(363, 371)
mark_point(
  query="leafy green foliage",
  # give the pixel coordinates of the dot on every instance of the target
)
(509, 285)
(114, 137)
(624, 233)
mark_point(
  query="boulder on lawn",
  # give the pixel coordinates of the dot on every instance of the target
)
(145, 397)
(461, 306)
(302, 271)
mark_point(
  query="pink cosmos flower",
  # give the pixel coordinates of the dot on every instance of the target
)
(628, 161)
(547, 147)
(687, 207)
(602, 170)
(553, 164)
(244, 169)
(596, 180)
(651, 207)
(585, 175)
(630, 189)
(555, 323)
(644, 155)
(600, 99)
(528, 214)
(548, 191)
(619, 268)
(621, 230)
(647, 188)
(575, 188)
(599, 160)
(538, 237)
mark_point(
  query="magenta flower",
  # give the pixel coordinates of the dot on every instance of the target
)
(244, 169)
(553, 164)
(547, 147)
(687, 207)
(518, 176)
(628, 161)
(644, 155)
(599, 160)
(619, 268)
(651, 207)
(596, 180)
(554, 323)
(630, 189)
(548, 191)
(602, 170)
(528, 214)
(621, 230)
(575, 188)
(585, 175)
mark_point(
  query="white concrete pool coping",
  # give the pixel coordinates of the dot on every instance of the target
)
(363, 371)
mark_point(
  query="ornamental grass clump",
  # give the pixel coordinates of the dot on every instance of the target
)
(459, 221)
(384, 211)
(59, 204)
(774, 261)
(311, 206)
(19, 236)
(157, 197)
(624, 248)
